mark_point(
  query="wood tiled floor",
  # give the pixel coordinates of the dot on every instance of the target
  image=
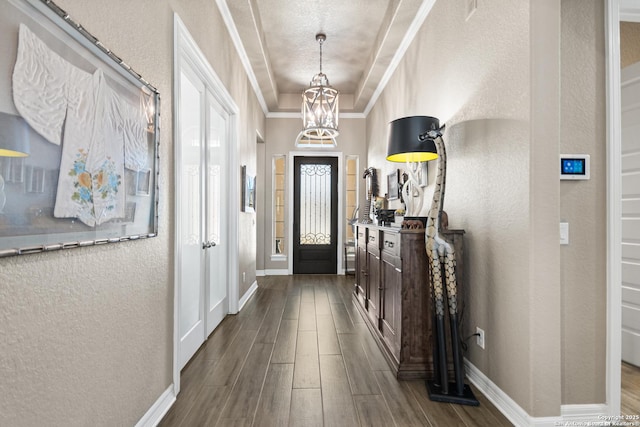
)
(630, 404)
(299, 354)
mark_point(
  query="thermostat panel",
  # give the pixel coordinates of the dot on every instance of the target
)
(574, 166)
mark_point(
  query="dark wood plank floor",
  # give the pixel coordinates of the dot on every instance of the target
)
(299, 354)
(630, 399)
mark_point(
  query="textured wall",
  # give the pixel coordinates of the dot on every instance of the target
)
(87, 334)
(583, 203)
(629, 43)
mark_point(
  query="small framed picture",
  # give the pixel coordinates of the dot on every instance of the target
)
(248, 191)
(393, 185)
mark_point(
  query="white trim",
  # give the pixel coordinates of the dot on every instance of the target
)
(278, 257)
(242, 53)
(518, 416)
(341, 225)
(614, 209)
(584, 413)
(272, 272)
(415, 26)
(276, 272)
(158, 410)
(503, 402)
(252, 290)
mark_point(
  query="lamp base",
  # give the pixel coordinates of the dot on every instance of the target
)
(467, 397)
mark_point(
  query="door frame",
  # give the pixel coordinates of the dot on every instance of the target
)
(186, 49)
(615, 9)
(290, 195)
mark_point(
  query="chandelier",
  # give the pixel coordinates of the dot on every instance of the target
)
(320, 105)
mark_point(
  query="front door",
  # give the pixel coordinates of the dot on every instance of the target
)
(315, 210)
(630, 78)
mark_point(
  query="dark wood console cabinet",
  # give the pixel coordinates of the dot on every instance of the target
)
(392, 293)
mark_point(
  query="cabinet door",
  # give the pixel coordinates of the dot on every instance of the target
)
(373, 300)
(391, 303)
(361, 274)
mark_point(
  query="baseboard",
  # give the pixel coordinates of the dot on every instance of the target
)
(505, 404)
(154, 415)
(260, 273)
(252, 290)
(276, 272)
(584, 413)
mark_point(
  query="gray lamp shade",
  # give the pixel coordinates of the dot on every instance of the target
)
(14, 136)
(404, 142)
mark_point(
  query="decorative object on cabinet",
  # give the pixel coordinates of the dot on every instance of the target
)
(371, 190)
(385, 216)
(392, 293)
(320, 105)
(74, 189)
(419, 138)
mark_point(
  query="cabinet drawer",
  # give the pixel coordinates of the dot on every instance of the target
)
(391, 243)
(362, 237)
(373, 240)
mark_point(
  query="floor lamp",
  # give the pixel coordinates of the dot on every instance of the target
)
(419, 139)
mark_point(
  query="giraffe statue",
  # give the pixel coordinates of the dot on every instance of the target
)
(442, 259)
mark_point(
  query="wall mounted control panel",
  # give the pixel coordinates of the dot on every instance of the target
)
(574, 166)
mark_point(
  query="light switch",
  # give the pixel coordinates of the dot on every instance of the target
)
(564, 233)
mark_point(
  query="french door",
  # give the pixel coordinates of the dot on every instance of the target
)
(202, 237)
(315, 211)
(631, 214)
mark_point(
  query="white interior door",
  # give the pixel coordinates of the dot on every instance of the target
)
(190, 228)
(216, 227)
(630, 79)
(203, 231)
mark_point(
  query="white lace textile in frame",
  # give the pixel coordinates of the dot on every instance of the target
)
(101, 132)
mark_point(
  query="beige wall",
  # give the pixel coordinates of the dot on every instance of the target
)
(495, 81)
(87, 334)
(583, 203)
(629, 43)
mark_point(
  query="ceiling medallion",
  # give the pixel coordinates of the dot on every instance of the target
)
(320, 105)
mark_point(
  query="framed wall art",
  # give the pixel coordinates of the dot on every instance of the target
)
(393, 185)
(78, 136)
(248, 191)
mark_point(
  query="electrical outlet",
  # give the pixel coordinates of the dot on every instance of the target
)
(480, 337)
